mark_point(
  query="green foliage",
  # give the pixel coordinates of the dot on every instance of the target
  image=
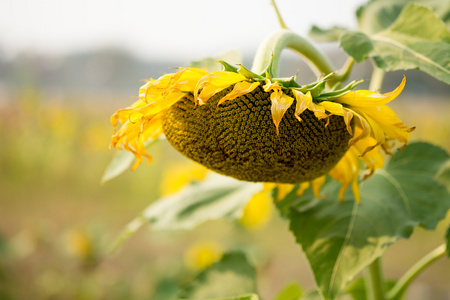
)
(216, 197)
(357, 290)
(167, 289)
(357, 45)
(121, 162)
(417, 39)
(326, 35)
(212, 63)
(399, 35)
(340, 240)
(378, 15)
(290, 292)
(231, 276)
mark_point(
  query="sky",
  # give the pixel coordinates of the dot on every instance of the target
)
(163, 29)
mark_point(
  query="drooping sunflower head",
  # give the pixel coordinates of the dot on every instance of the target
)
(257, 128)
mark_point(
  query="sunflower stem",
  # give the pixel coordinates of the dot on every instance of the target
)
(129, 231)
(412, 273)
(344, 73)
(277, 12)
(374, 281)
(268, 55)
(377, 79)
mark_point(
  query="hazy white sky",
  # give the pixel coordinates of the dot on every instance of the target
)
(187, 29)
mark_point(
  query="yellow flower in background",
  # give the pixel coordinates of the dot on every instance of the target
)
(178, 175)
(261, 129)
(258, 210)
(202, 255)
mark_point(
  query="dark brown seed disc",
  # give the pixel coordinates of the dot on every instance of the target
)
(239, 139)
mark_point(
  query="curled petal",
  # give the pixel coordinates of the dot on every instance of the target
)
(240, 88)
(305, 102)
(346, 172)
(316, 185)
(215, 82)
(364, 98)
(337, 109)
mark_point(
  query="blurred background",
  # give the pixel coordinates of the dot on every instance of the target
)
(67, 66)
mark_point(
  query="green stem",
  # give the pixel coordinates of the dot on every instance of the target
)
(375, 282)
(129, 231)
(277, 12)
(412, 273)
(273, 45)
(344, 73)
(377, 79)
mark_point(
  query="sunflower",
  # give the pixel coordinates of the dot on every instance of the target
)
(257, 128)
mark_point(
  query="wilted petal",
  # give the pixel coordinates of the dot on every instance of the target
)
(239, 89)
(280, 104)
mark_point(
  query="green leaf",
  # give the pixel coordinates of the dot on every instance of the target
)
(326, 35)
(357, 44)
(211, 63)
(340, 240)
(121, 162)
(216, 197)
(291, 292)
(417, 39)
(443, 174)
(377, 15)
(166, 289)
(233, 275)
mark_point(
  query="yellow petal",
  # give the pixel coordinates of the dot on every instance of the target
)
(216, 81)
(317, 185)
(305, 102)
(280, 104)
(302, 188)
(346, 172)
(337, 109)
(364, 98)
(240, 88)
(373, 159)
(302, 103)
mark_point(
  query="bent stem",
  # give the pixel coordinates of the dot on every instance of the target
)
(273, 45)
(412, 273)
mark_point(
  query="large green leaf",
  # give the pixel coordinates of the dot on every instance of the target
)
(340, 240)
(233, 275)
(214, 198)
(377, 15)
(417, 39)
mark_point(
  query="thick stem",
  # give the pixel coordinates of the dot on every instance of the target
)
(377, 79)
(273, 45)
(415, 270)
(375, 282)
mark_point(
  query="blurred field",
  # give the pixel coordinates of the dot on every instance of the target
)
(57, 219)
